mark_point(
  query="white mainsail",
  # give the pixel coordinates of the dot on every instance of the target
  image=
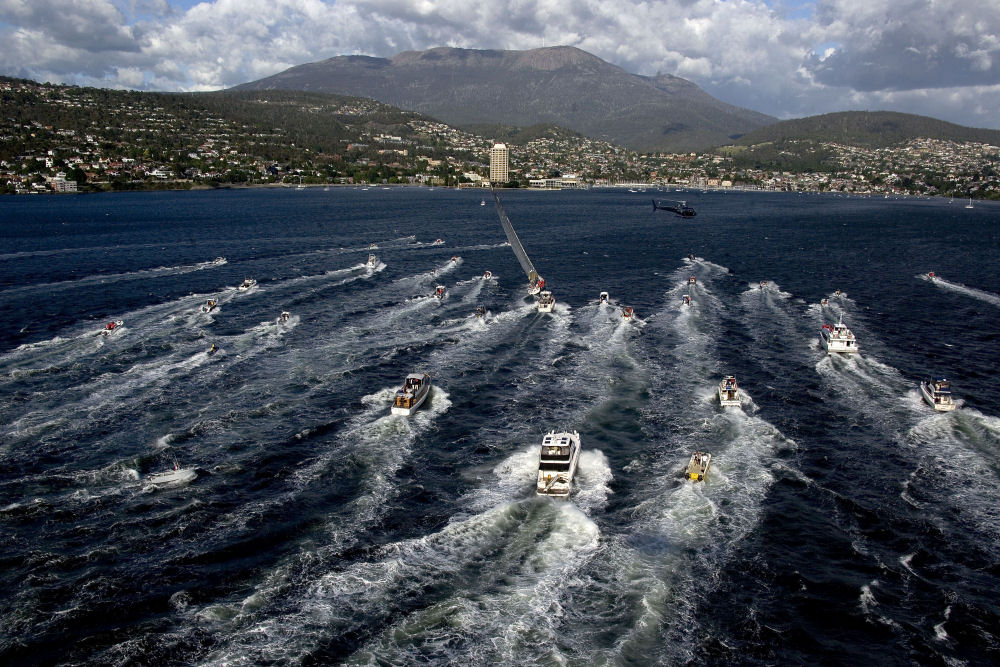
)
(515, 243)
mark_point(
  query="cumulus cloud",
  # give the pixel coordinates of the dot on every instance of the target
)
(88, 25)
(896, 45)
(788, 59)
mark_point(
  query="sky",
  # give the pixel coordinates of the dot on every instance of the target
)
(786, 58)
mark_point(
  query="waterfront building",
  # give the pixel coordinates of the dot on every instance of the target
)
(498, 164)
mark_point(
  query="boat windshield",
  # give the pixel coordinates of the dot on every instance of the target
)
(555, 466)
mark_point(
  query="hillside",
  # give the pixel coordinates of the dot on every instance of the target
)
(867, 129)
(558, 85)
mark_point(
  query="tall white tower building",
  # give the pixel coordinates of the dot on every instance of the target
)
(498, 164)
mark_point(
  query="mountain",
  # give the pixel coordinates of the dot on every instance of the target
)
(559, 85)
(868, 129)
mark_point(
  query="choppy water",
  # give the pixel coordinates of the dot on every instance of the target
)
(841, 519)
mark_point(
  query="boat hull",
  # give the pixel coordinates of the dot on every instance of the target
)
(698, 466)
(558, 483)
(943, 405)
(405, 408)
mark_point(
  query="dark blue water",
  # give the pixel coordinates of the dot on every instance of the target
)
(842, 521)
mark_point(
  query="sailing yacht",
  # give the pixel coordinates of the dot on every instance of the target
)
(535, 282)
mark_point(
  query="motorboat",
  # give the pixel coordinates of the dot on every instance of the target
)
(482, 203)
(438, 242)
(414, 392)
(930, 274)
(729, 392)
(176, 477)
(763, 284)
(557, 461)
(603, 298)
(692, 280)
(824, 302)
(546, 302)
(937, 393)
(697, 467)
(838, 293)
(247, 284)
(838, 338)
(209, 306)
(111, 327)
(372, 246)
(627, 313)
(686, 299)
(480, 312)
(439, 292)
(454, 258)
(283, 318)
(372, 262)
(212, 350)
(488, 275)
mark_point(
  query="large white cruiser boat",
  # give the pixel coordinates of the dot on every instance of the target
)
(557, 464)
(247, 284)
(415, 390)
(838, 338)
(546, 302)
(937, 393)
(729, 391)
(698, 466)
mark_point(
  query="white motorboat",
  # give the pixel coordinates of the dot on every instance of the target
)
(824, 302)
(686, 299)
(546, 302)
(439, 292)
(176, 477)
(482, 203)
(627, 313)
(283, 318)
(763, 284)
(937, 393)
(111, 327)
(454, 258)
(488, 275)
(838, 338)
(247, 284)
(603, 298)
(692, 280)
(414, 392)
(372, 246)
(697, 467)
(480, 312)
(372, 262)
(209, 306)
(557, 463)
(729, 391)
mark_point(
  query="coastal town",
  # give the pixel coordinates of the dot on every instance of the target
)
(64, 139)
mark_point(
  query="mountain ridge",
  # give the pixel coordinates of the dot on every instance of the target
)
(562, 85)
